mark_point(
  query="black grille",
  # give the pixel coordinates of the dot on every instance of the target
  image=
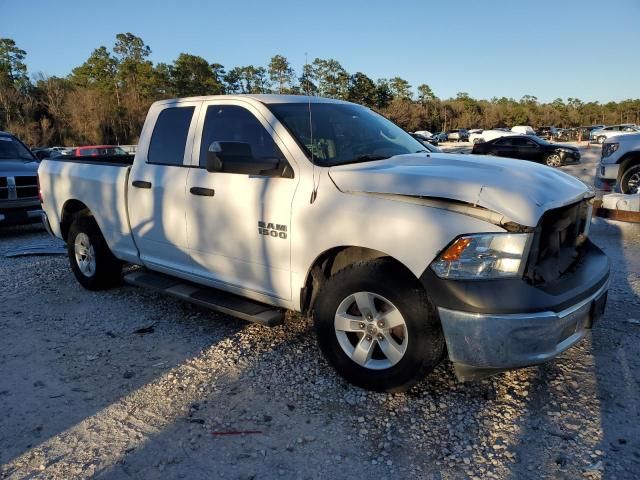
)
(26, 187)
(31, 181)
(558, 242)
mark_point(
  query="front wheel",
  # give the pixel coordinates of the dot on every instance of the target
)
(92, 263)
(553, 160)
(630, 180)
(377, 327)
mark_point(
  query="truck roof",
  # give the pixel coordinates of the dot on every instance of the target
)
(262, 98)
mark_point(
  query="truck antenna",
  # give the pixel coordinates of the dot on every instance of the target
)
(314, 191)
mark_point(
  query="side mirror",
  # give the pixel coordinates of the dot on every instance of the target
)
(237, 157)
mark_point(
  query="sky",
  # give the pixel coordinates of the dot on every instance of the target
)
(589, 49)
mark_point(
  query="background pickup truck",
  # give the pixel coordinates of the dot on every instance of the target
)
(19, 202)
(620, 162)
(251, 205)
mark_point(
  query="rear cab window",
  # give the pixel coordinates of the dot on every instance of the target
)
(169, 137)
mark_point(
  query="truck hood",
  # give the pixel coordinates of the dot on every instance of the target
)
(10, 167)
(521, 191)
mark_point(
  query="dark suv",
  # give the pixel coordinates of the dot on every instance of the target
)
(19, 202)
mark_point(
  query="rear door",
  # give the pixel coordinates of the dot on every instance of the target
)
(156, 191)
(238, 224)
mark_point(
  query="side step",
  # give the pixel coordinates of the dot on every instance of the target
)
(207, 297)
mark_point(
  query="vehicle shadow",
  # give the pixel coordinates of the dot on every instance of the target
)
(10, 232)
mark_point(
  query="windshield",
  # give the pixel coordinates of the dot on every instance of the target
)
(11, 149)
(344, 133)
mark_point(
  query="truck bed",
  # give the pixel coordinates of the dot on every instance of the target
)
(100, 184)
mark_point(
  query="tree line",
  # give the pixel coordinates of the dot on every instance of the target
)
(105, 100)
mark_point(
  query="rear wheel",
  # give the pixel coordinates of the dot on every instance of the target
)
(630, 180)
(92, 263)
(376, 326)
(553, 160)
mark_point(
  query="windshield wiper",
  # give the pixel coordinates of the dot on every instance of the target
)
(422, 151)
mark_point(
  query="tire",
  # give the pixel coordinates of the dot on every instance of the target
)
(91, 261)
(630, 180)
(553, 160)
(414, 345)
(601, 139)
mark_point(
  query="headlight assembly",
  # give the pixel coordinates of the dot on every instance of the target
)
(484, 256)
(609, 148)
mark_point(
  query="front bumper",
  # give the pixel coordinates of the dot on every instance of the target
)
(496, 325)
(21, 215)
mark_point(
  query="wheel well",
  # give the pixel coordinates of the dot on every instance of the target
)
(329, 263)
(70, 211)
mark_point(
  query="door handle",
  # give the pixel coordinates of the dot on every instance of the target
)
(141, 184)
(203, 192)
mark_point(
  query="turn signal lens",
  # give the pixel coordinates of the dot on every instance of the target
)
(455, 250)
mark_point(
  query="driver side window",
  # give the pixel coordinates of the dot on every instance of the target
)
(230, 123)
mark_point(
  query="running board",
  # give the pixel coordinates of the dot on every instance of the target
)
(210, 298)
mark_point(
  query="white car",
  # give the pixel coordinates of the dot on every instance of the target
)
(255, 204)
(487, 135)
(602, 134)
(523, 130)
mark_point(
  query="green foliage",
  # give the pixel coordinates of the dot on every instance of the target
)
(281, 74)
(362, 90)
(192, 75)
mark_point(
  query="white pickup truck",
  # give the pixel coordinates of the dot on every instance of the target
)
(251, 205)
(620, 162)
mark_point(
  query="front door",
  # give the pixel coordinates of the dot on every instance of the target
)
(238, 224)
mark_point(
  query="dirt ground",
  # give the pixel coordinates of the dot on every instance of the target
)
(130, 384)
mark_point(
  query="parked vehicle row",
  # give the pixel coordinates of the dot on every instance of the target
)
(280, 207)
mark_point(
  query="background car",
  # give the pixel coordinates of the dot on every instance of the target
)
(427, 142)
(547, 132)
(42, 153)
(602, 134)
(458, 135)
(425, 136)
(441, 136)
(98, 151)
(527, 147)
(523, 130)
(490, 134)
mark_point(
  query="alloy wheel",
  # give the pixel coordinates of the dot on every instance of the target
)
(371, 330)
(85, 255)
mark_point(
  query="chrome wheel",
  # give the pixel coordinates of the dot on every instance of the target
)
(633, 183)
(85, 255)
(553, 160)
(371, 330)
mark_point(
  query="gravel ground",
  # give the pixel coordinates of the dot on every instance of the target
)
(130, 384)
